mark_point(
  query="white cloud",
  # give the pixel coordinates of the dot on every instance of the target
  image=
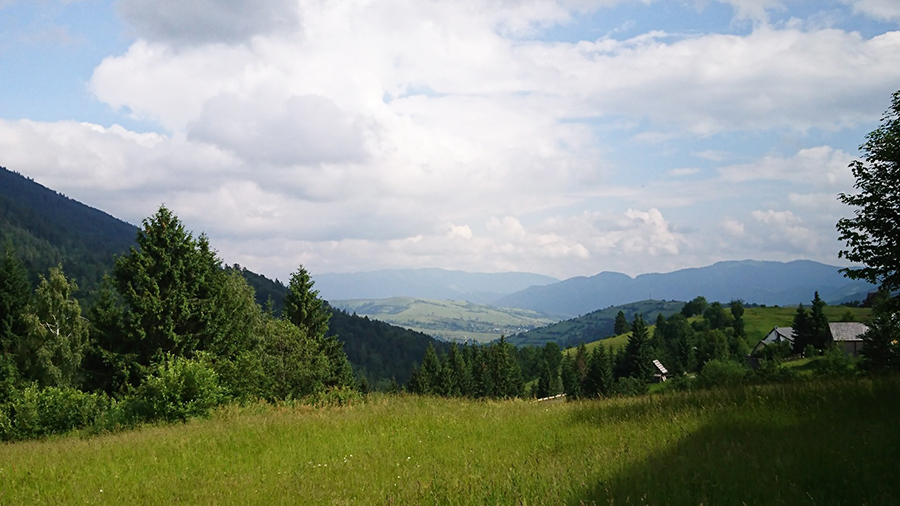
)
(683, 172)
(819, 166)
(885, 10)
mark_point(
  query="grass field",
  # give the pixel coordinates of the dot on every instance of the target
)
(758, 321)
(448, 320)
(806, 443)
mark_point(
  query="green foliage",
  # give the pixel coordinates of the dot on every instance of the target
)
(696, 306)
(169, 286)
(872, 234)
(178, 389)
(599, 380)
(629, 387)
(801, 331)
(303, 307)
(638, 353)
(37, 412)
(717, 317)
(819, 331)
(722, 373)
(834, 362)
(737, 313)
(57, 337)
(881, 343)
(621, 324)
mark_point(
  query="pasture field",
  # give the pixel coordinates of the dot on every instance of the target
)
(823, 442)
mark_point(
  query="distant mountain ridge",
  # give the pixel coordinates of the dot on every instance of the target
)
(433, 284)
(760, 282)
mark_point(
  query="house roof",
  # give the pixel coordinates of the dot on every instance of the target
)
(780, 334)
(847, 331)
(660, 367)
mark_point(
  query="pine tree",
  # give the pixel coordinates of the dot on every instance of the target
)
(801, 330)
(169, 286)
(600, 375)
(581, 363)
(621, 324)
(15, 295)
(430, 372)
(819, 331)
(638, 358)
(303, 307)
(737, 311)
(569, 375)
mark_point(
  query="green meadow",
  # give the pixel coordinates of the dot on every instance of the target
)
(824, 442)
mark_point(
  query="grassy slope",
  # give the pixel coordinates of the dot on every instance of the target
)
(593, 325)
(758, 321)
(450, 320)
(807, 443)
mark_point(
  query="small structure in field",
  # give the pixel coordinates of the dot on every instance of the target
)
(776, 335)
(848, 336)
(660, 371)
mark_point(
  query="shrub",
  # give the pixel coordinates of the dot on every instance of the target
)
(628, 386)
(810, 351)
(771, 371)
(722, 372)
(35, 412)
(834, 362)
(178, 390)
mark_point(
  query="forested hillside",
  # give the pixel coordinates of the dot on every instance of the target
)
(46, 229)
(596, 325)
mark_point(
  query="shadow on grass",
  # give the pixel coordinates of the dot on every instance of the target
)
(823, 443)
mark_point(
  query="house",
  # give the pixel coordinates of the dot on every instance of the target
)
(846, 335)
(777, 335)
(660, 371)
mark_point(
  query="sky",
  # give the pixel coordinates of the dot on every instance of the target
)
(563, 137)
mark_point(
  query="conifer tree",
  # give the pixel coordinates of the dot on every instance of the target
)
(569, 376)
(737, 311)
(430, 372)
(621, 324)
(600, 374)
(800, 330)
(581, 363)
(638, 358)
(303, 307)
(15, 294)
(819, 331)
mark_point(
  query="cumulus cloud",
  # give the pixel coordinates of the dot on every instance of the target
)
(819, 166)
(885, 10)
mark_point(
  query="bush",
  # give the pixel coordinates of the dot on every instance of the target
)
(810, 351)
(834, 362)
(722, 372)
(771, 371)
(178, 390)
(628, 386)
(36, 412)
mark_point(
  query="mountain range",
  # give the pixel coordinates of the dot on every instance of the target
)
(434, 284)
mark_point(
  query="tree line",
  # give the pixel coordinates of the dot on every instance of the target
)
(170, 334)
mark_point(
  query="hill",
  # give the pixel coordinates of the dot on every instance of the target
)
(449, 320)
(47, 228)
(595, 325)
(752, 281)
(435, 284)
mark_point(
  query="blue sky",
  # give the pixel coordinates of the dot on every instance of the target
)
(561, 137)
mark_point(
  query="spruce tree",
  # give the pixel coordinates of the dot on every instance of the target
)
(621, 324)
(737, 311)
(15, 295)
(430, 372)
(800, 330)
(569, 376)
(819, 331)
(600, 375)
(303, 307)
(638, 358)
